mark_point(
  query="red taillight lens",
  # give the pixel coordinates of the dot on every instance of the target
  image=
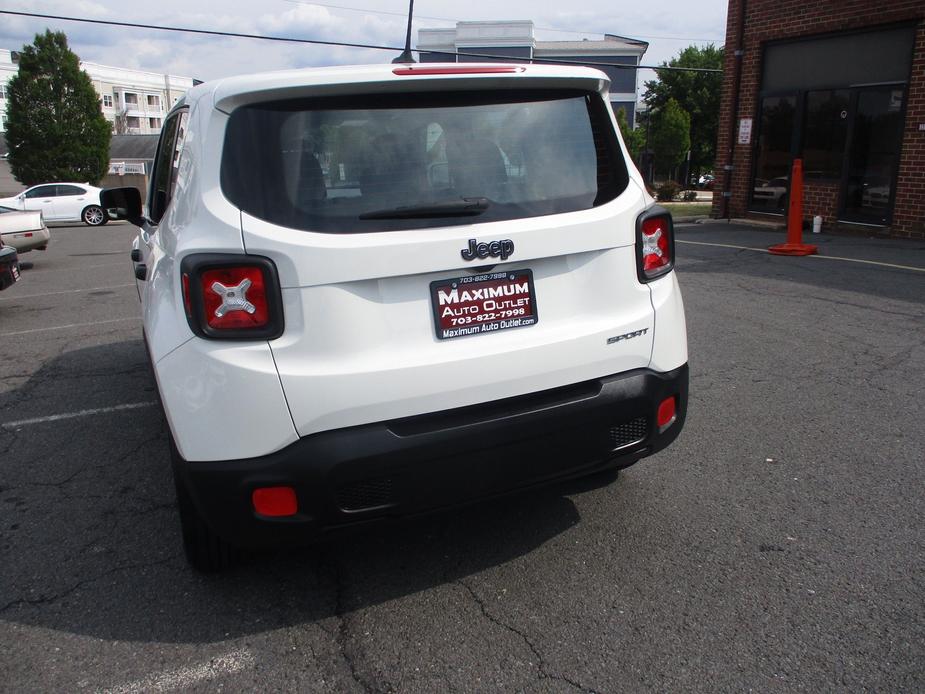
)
(234, 298)
(187, 299)
(667, 413)
(275, 501)
(656, 243)
(229, 296)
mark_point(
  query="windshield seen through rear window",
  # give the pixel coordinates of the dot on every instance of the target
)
(381, 162)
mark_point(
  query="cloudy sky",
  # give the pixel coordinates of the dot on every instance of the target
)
(668, 25)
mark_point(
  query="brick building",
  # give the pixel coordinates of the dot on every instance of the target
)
(840, 84)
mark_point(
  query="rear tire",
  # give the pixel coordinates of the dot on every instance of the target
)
(94, 216)
(205, 550)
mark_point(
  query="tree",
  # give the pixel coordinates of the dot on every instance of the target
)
(698, 93)
(635, 139)
(55, 129)
(671, 140)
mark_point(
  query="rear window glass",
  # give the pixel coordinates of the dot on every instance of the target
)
(323, 164)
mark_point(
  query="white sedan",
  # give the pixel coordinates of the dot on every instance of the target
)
(24, 231)
(62, 202)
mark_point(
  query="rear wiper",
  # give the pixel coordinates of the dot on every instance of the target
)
(463, 207)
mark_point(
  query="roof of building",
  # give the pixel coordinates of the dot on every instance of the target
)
(589, 46)
(120, 148)
(133, 147)
(517, 33)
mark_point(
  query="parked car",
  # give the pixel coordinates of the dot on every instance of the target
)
(9, 266)
(24, 231)
(62, 202)
(875, 194)
(771, 194)
(705, 182)
(326, 359)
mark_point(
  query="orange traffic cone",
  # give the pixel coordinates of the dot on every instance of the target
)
(795, 245)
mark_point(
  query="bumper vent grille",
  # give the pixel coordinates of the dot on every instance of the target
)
(365, 494)
(629, 432)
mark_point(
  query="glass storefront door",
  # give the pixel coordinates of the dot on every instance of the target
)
(873, 155)
(773, 153)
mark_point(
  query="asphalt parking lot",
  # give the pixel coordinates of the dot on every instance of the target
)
(778, 545)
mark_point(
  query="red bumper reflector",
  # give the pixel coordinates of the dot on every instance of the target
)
(666, 412)
(275, 501)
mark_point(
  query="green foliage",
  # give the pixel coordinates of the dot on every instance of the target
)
(698, 93)
(671, 139)
(689, 196)
(667, 191)
(55, 127)
(635, 139)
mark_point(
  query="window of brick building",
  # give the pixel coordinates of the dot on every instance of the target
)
(836, 101)
(825, 132)
(773, 155)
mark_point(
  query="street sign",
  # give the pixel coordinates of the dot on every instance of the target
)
(745, 131)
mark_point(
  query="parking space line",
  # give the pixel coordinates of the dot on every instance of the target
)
(34, 271)
(66, 291)
(69, 325)
(189, 676)
(79, 413)
(823, 257)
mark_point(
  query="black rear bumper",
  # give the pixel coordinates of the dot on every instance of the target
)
(9, 266)
(409, 466)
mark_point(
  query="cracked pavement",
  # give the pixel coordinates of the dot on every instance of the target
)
(776, 546)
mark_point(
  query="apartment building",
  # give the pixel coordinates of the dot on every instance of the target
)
(134, 101)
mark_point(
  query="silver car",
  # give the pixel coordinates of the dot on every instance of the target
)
(24, 231)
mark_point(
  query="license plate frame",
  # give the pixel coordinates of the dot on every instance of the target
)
(510, 308)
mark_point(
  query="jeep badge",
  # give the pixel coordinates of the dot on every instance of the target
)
(496, 249)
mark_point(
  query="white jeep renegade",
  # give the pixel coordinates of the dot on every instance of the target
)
(377, 291)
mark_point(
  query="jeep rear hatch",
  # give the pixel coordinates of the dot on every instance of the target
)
(373, 206)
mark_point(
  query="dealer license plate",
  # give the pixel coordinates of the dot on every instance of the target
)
(486, 303)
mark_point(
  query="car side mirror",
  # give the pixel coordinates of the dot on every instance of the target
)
(123, 203)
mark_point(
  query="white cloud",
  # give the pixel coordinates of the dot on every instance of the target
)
(213, 57)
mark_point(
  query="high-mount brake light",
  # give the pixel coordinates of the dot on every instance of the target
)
(232, 297)
(472, 70)
(654, 244)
